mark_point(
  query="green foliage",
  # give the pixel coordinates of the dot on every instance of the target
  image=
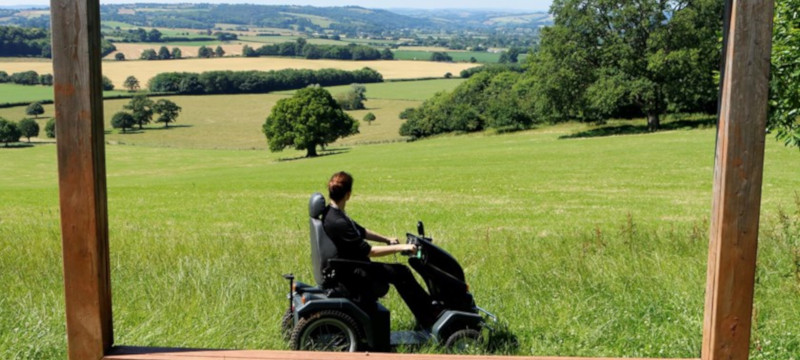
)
(248, 51)
(131, 83)
(34, 109)
(353, 98)
(18, 41)
(123, 120)
(369, 118)
(46, 79)
(177, 53)
(4, 78)
(204, 52)
(784, 102)
(311, 117)
(314, 51)
(167, 111)
(387, 54)
(107, 84)
(149, 54)
(141, 108)
(50, 128)
(25, 78)
(235, 82)
(493, 68)
(441, 57)
(163, 53)
(219, 52)
(9, 132)
(28, 128)
(119, 56)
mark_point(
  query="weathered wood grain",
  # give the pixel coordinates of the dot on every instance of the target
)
(82, 176)
(737, 182)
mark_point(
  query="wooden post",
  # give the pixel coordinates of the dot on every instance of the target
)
(737, 182)
(82, 175)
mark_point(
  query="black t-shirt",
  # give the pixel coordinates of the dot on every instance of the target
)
(346, 234)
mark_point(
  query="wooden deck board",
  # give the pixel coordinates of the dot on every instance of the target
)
(127, 353)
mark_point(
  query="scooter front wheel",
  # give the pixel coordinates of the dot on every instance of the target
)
(326, 331)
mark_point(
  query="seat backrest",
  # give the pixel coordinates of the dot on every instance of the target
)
(322, 247)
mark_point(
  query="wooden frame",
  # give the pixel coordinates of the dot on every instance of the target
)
(82, 187)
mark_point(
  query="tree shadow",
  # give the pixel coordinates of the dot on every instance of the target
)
(326, 152)
(16, 145)
(170, 127)
(631, 129)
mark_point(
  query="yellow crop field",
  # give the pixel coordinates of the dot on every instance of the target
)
(117, 71)
(133, 51)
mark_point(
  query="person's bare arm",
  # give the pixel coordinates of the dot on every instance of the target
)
(378, 251)
(371, 235)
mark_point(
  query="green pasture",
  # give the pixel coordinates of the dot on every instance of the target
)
(458, 56)
(13, 93)
(590, 246)
(401, 90)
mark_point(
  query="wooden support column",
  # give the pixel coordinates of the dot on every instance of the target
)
(737, 182)
(82, 176)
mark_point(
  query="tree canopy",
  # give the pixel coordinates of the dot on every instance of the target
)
(141, 108)
(28, 128)
(784, 102)
(131, 83)
(122, 120)
(308, 119)
(167, 111)
(34, 109)
(9, 132)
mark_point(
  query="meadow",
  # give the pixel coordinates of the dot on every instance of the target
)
(588, 247)
(118, 71)
(458, 56)
(13, 93)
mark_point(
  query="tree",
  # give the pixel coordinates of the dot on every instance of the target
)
(167, 110)
(784, 96)
(119, 56)
(309, 118)
(46, 79)
(163, 53)
(603, 55)
(107, 84)
(369, 118)
(131, 83)
(141, 108)
(204, 52)
(248, 51)
(34, 109)
(177, 53)
(122, 120)
(9, 132)
(28, 128)
(4, 78)
(154, 36)
(441, 57)
(353, 98)
(50, 128)
(149, 54)
(387, 54)
(219, 52)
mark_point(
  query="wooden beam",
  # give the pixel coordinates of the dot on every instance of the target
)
(127, 353)
(82, 176)
(737, 182)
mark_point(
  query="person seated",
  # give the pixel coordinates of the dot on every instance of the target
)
(350, 240)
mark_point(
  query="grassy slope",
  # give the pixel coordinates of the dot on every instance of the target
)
(584, 247)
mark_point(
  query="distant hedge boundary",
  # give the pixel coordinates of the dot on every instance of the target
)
(254, 82)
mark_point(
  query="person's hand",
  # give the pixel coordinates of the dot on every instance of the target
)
(410, 248)
(393, 241)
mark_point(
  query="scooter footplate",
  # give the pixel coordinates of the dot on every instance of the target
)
(409, 337)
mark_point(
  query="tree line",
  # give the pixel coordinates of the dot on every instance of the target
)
(238, 82)
(154, 36)
(26, 78)
(301, 48)
(601, 59)
(12, 131)
(33, 42)
(140, 111)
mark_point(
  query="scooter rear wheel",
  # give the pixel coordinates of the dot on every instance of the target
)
(326, 331)
(464, 341)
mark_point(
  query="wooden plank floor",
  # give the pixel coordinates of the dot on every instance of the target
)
(134, 353)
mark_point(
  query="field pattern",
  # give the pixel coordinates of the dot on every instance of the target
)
(118, 71)
(585, 247)
(13, 93)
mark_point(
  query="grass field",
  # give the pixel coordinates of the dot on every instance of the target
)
(118, 71)
(13, 93)
(459, 56)
(401, 90)
(586, 247)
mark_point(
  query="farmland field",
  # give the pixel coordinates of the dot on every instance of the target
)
(401, 90)
(587, 247)
(462, 56)
(118, 71)
(13, 93)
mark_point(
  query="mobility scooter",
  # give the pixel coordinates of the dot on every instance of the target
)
(340, 313)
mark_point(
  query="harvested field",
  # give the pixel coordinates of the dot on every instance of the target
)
(117, 71)
(133, 51)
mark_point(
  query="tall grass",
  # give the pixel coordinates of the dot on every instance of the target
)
(587, 247)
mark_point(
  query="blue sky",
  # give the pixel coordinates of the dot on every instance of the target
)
(424, 4)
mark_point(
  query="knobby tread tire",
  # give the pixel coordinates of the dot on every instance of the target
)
(304, 323)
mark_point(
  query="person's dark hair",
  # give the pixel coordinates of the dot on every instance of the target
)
(340, 184)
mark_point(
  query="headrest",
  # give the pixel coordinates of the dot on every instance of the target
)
(316, 205)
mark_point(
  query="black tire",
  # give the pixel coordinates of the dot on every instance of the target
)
(287, 323)
(326, 331)
(464, 341)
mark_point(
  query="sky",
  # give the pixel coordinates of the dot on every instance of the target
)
(529, 5)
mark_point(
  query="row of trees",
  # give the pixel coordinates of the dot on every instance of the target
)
(33, 42)
(162, 54)
(154, 36)
(11, 132)
(141, 110)
(26, 78)
(236, 82)
(301, 48)
(206, 52)
(601, 59)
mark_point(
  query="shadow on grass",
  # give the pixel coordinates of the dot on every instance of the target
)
(630, 129)
(16, 145)
(326, 152)
(169, 128)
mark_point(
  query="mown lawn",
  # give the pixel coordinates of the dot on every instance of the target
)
(586, 247)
